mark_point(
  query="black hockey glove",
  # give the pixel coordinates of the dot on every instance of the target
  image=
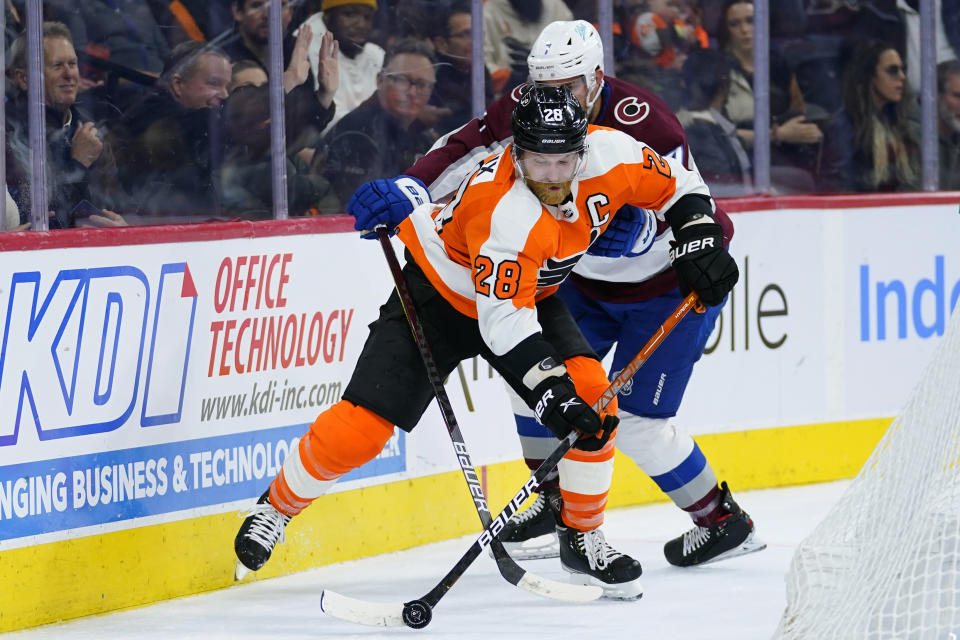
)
(560, 409)
(702, 263)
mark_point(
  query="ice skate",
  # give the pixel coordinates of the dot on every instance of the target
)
(532, 533)
(731, 536)
(587, 557)
(263, 528)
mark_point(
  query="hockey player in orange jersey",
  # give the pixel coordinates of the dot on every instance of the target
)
(482, 270)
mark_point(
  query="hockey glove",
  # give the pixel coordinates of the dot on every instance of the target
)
(561, 410)
(702, 263)
(385, 202)
(630, 233)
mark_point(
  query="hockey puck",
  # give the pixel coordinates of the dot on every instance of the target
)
(416, 614)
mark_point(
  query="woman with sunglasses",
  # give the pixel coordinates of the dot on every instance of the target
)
(871, 144)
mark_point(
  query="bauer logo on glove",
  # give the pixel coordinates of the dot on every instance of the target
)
(702, 263)
(678, 251)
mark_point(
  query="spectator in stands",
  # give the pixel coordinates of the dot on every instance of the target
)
(871, 144)
(901, 28)
(251, 21)
(948, 99)
(666, 33)
(714, 145)
(246, 73)
(453, 94)
(359, 61)
(169, 147)
(247, 183)
(510, 27)
(74, 146)
(795, 140)
(660, 39)
(131, 37)
(383, 136)
(309, 102)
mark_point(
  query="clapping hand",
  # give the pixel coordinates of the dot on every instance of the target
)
(328, 69)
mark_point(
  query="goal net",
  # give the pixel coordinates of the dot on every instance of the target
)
(885, 562)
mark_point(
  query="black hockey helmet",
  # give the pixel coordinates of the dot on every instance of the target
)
(549, 119)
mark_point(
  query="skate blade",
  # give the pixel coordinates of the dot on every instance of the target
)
(632, 590)
(240, 571)
(750, 545)
(539, 548)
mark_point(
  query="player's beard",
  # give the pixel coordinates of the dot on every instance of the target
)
(547, 195)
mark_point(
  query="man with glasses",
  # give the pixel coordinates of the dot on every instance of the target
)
(453, 42)
(75, 151)
(383, 135)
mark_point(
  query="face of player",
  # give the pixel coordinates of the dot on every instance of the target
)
(253, 21)
(549, 175)
(205, 85)
(889, 78)
(404, 87)
(950, 102)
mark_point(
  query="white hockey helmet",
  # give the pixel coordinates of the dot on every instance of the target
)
(566, 49)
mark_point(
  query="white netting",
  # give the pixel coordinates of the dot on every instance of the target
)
(885, 562)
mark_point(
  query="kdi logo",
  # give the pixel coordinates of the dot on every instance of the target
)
(71, 364)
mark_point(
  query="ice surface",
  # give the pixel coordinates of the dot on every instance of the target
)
(737, 599)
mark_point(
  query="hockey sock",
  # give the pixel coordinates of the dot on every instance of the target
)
(675, 462)
(342, 438)
(585, 476)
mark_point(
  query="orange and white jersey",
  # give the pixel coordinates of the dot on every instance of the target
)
(495, 249)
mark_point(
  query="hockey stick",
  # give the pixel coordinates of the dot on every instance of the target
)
(509, 569)
(418, 613)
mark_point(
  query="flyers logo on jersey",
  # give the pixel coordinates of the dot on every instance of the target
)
(555, 270)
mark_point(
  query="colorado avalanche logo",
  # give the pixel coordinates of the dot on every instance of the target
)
(629, 111)
(520, 90)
